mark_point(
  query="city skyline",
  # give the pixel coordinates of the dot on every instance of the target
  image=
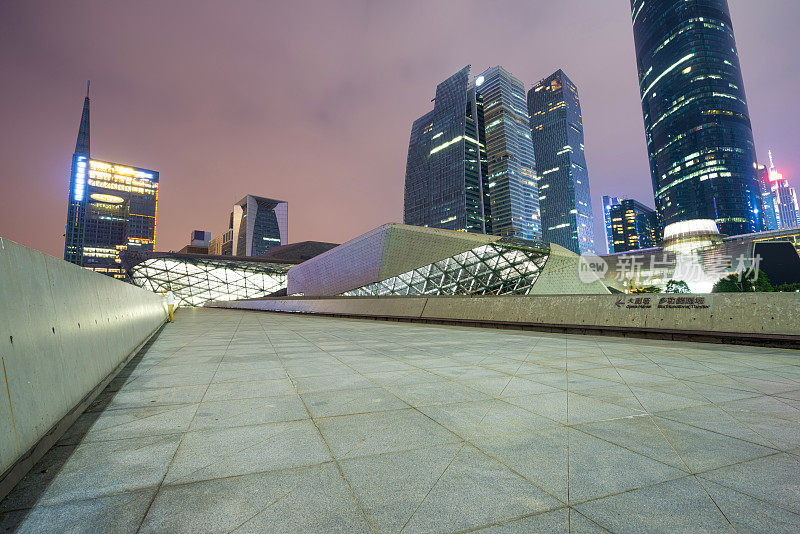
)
(198, 152)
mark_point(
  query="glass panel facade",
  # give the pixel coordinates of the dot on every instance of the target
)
(509, 151)
(111, 207)
(557, 131)
(196, 281)
(697, 126)
(634, 226)
(447, 162)
(506, 267)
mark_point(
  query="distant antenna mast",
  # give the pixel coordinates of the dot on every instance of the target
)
(88, 83)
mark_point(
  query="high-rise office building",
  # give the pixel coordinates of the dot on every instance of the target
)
(255, 225)
(111, 207)
(509, 151)
(697, 126)
(446, 170)
(780, 199)
(634, 226)
(259, 224)
(608, 203)
(769, 219)
(557, 131)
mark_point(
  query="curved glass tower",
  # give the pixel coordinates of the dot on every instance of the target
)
(702, 158)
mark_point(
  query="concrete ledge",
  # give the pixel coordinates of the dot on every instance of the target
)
(768, 319)
(64, 331)
(24, 463)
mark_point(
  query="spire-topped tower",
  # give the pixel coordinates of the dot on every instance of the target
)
(82, 145)
(771, 163)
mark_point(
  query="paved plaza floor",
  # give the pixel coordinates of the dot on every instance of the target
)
(234, 421)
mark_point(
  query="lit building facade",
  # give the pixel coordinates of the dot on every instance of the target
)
(557, 132)
(446, 168)
(608, 202)
(514, 194)
(782, 199)
(255, 225)
(198, 278)
(769, 219)
(396, 259)
(111, 208)
(258, 225)
(697, 125)
(634, 226)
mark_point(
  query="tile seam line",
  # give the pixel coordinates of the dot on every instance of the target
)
(183, 435)
(321, 436)
(652, 419)
(485, 453)
(773, 445)
(760, 499)
(528, 480)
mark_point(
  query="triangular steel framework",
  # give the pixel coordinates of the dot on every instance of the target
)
(196, 282)
(505, 267)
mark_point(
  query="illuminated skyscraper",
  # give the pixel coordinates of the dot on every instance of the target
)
(634, 226)
(697, 126)
(446, 170)
(512, 171)
(781, 200)
(608, 203)
(769, 219)
(557, 131)
(111, 207)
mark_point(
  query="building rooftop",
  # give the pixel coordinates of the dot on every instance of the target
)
(250, 421)
(297, 252)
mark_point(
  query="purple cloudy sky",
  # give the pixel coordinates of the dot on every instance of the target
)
(311, 101)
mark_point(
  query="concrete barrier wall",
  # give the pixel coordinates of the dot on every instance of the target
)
(63, 330)
(735, 314)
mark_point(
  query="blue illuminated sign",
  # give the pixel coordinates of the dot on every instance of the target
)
(79, 183)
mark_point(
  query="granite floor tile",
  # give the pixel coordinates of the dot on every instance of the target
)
(774, 479)
(133, 422)
(392, 486)
(249, 390)
(92, 470)
(748, 514)
(676, 506)
(561, 521)
(485, 418)
(598, 468)
(703, 450)
(476, 490)
(226, 452)
(252, 422)
(247, 412)
(380, 432)
(541, 456)
(351, 401)
(113, 514)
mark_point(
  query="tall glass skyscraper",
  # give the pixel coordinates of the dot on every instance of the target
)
(446, 167)
(111, 207)
(608, 203)
(697, 127)
(509, 151)
(557, 131)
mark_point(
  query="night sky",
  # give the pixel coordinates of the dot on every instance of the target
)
(312, 101)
